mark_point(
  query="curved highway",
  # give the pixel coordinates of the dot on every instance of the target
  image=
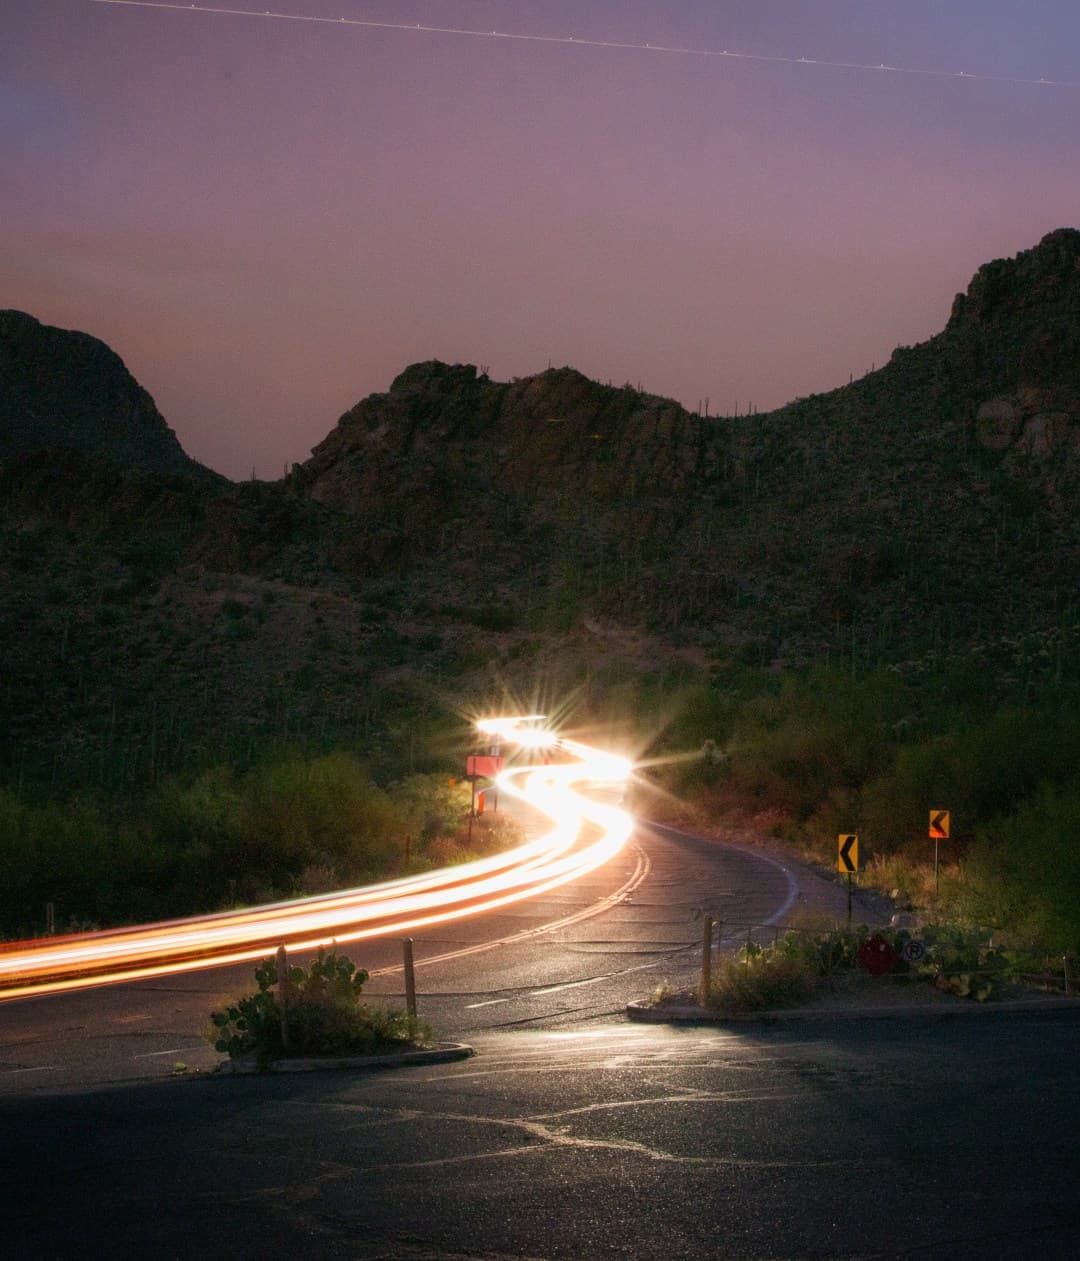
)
(548, 954)
(585, 834)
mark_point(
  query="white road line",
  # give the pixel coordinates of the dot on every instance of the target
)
(792, 883)
(641, 870)
(593, 980)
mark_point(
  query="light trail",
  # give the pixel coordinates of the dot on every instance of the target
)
(586, 834)
(523, 37)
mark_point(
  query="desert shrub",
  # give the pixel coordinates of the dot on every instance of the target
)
(908, 880)
(290, 826)
(824, 953)
(325, 1015)
(1023, 873)
(961, 960)
(326, 810)
(1014, 751)
(240, 838)
(68, 855)
(764, 979)
(433, 805)
(818, 734)
(894, 804)
(964, 962)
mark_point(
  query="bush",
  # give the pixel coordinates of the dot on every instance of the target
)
(965, 963)
(759, 980)
(325, 1015)
(824, 953)
(1024, 875)
(224, 838)
(958, 960)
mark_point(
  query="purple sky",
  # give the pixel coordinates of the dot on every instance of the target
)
(269, 219)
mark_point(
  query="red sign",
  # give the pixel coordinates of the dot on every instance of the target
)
(488, 767)
(877, 956)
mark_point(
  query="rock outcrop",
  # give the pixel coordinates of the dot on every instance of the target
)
(67, 391)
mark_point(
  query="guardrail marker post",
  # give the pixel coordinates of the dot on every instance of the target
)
(706, 958)
(282, 963)
(1068, 978)
(410, 979)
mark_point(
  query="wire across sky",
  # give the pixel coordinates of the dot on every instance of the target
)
(535, 38)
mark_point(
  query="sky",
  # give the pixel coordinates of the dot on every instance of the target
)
(268, 218)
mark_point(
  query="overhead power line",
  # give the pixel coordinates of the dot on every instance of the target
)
(577, 42)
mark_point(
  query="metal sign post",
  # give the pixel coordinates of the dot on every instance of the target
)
(485, 766)
(847, 862)
(939, 831)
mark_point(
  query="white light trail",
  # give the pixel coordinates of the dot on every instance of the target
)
(666, 49)
(586, 834)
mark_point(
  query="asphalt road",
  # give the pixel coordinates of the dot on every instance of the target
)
(572, 1133)
(949, 1138)
(584, 950)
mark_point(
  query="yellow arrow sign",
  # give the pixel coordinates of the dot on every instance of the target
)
(939, 825)
(847, 852)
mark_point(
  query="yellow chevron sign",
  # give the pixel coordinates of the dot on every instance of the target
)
(847, 852)
(939, 825)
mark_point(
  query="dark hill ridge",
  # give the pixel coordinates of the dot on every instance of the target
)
(62, 390)
(1011, 348)
(934, 472)
(464, 530)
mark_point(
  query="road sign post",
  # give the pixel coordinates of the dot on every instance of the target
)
(939, 831)
(482, 766)
(847, 862)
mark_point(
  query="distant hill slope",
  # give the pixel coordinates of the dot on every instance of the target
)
(936, 496)
(474, 533)
(62, 390)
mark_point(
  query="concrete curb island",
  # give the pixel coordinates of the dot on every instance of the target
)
(691, 1013)
(441, 1053)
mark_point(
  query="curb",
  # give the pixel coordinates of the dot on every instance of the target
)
(648, 1013)
(441, 1053)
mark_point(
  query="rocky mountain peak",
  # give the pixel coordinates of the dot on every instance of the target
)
(67, 391)
(1046, 276)
(434, 377)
